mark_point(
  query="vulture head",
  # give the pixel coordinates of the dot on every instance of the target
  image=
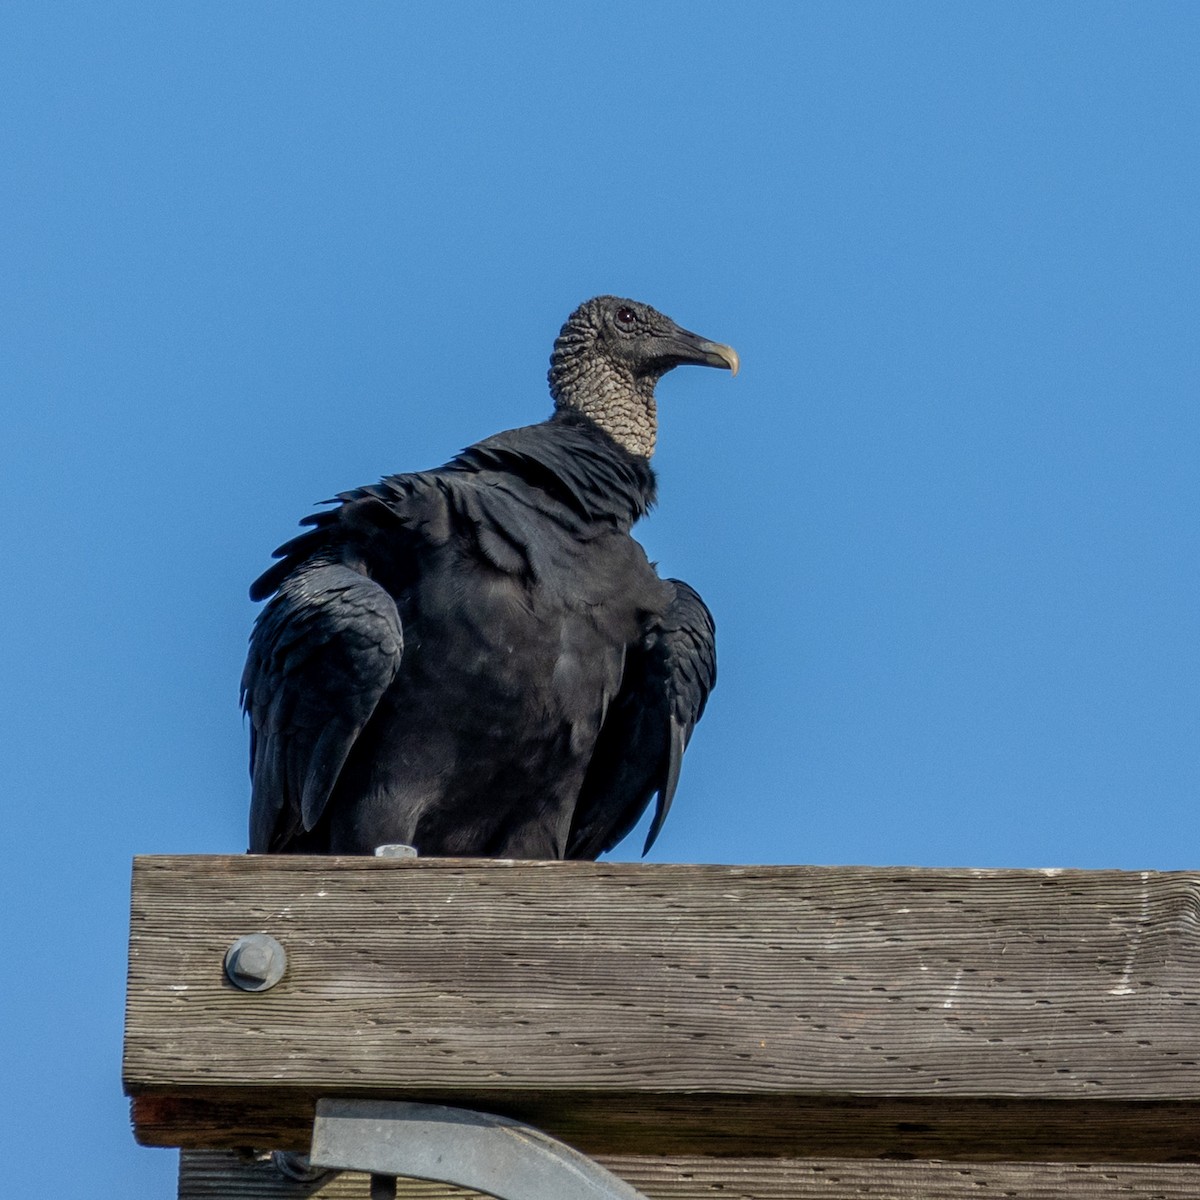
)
(608, 357)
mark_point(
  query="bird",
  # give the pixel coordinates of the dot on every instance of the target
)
(479, 660)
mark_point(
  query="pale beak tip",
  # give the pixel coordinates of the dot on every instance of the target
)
(718, 355)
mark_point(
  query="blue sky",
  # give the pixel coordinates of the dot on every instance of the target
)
(947, 516)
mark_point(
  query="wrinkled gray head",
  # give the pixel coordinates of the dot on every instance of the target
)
(608, 357)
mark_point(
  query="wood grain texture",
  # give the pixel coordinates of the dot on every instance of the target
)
(220, 1175)
(705, 1124)
(738, 1001)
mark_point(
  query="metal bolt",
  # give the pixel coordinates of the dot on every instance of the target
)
(298, 1167)
(395, 850)
(255, 962)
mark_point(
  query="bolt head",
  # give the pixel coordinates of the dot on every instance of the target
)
(395, 850)
(252, 961)
(255, 962)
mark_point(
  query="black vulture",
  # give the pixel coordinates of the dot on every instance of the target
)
(479, 659)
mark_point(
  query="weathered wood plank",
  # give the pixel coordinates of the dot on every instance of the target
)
(706, 1124)
(220, 1175)
(740, 1001)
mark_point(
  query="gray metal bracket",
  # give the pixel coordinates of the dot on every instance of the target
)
(491, 1154)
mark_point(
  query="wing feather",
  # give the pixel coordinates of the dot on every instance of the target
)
(639, 752)
(323, 652)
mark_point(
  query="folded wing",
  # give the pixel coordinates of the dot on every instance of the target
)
(323, 652)
(638, 755)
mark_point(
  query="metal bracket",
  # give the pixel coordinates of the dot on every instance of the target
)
(477, 1150)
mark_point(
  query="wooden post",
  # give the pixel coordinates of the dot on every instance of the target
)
(220, 1175)
(815, 1024)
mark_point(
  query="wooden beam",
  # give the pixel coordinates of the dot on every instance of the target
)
(675, 1009)
(221, 1175)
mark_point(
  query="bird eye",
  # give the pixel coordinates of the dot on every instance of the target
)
(626, 315)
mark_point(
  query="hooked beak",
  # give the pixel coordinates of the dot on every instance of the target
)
(680, 346)
(718, 355)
